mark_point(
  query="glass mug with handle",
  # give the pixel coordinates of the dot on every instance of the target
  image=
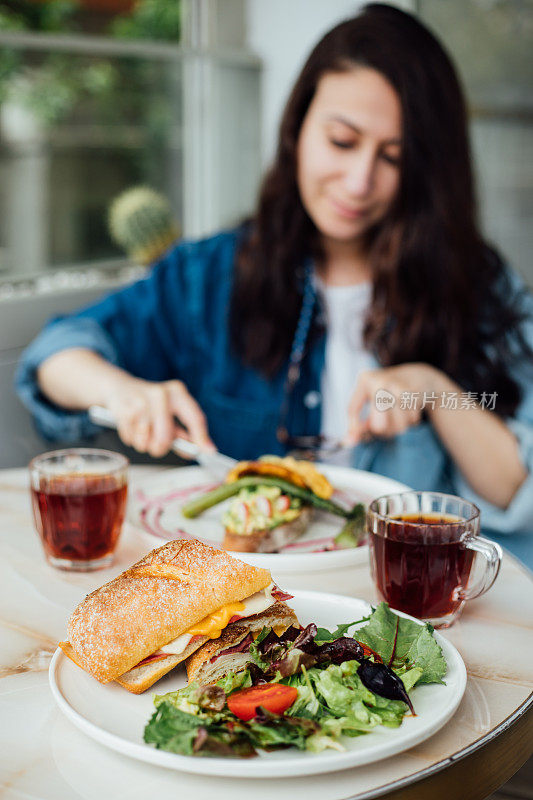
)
(422, 547)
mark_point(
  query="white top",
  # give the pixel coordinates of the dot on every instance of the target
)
(345, 309)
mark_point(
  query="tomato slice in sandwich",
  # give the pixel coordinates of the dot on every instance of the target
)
(275, 697)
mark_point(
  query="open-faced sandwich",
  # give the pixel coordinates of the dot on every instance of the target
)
(274, 500)
(157, 613)
(263, 518)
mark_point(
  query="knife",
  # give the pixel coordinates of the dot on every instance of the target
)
(214, 462)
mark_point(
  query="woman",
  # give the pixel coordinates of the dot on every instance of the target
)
(365, 226)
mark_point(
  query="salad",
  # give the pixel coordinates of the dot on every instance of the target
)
(306, 689)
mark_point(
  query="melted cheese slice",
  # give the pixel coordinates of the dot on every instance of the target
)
(213, 625)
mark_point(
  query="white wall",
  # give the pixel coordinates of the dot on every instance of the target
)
(282, 33)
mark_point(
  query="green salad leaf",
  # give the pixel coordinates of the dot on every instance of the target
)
(179, 732)
(354, 528)
(323, 635)
(404, 644)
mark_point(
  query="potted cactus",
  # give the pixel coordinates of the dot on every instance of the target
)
(140, 221)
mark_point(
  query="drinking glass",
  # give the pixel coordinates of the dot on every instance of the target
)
(422, 547)
(79, 502)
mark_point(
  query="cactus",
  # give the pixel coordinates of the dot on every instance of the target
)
(140, 221)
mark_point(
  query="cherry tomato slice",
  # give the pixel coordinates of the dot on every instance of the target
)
(275, 697)
(242, 512)
(283, 503)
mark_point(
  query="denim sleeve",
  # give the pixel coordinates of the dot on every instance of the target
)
(139, 328)
(518, 516)
(52, 421)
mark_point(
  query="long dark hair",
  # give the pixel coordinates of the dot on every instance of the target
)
(441, 295)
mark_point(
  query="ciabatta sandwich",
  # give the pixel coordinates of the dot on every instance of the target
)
(154, 615)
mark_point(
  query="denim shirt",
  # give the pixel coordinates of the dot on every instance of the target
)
(174, 324)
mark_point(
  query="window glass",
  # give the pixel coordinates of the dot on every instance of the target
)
(83, 117)
(81, 129)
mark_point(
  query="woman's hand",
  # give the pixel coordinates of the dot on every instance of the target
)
(382, 389)
(145, 413)
(482, 446)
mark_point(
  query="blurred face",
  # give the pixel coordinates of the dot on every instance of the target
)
(348, 153)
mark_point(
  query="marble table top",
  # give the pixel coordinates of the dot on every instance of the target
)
(42, 755)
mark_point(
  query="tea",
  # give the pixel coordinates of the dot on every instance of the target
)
(419, 563)
(422, 547)
(79, 516)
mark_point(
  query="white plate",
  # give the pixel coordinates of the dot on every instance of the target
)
(155, 508)
(116, 718)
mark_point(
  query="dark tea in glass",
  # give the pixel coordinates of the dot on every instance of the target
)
(79, 501)
(422, 547)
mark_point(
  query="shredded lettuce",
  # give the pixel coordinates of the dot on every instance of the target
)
(233, 681)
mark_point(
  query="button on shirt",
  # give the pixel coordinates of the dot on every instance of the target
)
(345, 310)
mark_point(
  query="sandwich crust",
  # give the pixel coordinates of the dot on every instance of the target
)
(141, 677)
(153, 602)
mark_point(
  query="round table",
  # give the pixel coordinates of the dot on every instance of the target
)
(43, 756)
